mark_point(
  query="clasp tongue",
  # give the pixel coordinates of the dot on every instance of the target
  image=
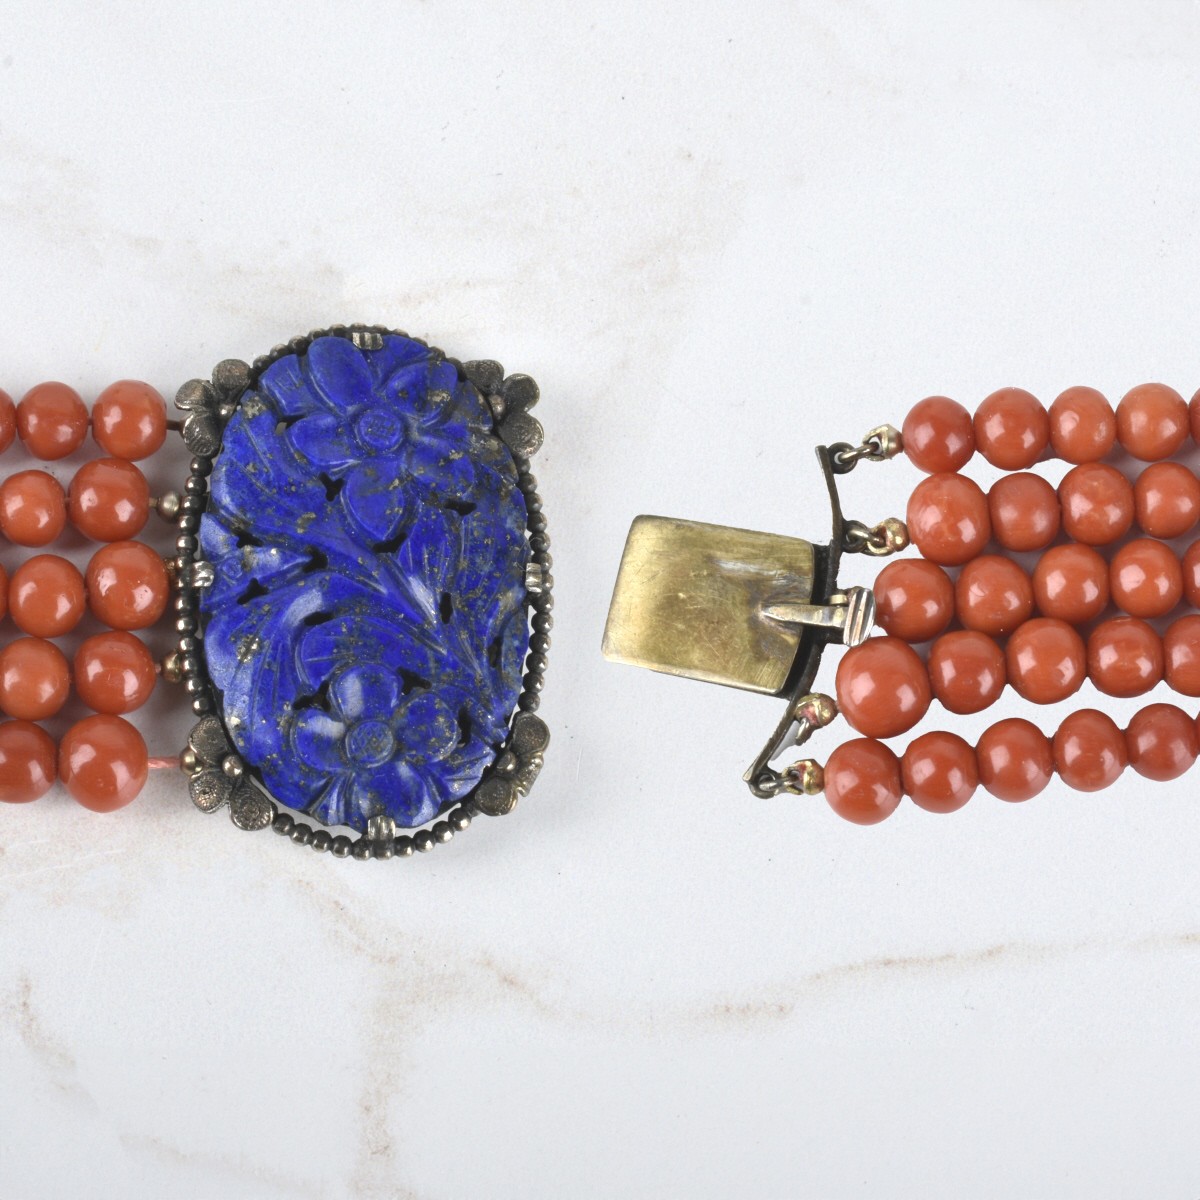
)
(850, 614)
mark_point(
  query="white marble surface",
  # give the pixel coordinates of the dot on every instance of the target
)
(716, 234)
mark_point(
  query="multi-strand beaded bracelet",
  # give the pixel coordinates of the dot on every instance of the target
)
(1042, 632)
(102, 759)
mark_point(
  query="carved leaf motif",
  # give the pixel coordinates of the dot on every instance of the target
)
(201, 434)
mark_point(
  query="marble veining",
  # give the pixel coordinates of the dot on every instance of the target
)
(367, 627)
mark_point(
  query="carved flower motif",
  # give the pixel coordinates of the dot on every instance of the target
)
(366, 628)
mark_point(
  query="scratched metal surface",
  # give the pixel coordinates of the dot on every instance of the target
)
(716, 235)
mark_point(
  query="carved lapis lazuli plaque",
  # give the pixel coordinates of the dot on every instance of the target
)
(367, 626)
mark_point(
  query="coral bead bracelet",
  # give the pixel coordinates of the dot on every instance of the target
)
(1027, 586)
(101, 759)
(358, 586)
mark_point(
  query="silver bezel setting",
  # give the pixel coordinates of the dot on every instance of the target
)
(217, 776)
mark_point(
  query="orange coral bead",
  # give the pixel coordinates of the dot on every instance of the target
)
(1166, 498)
(33, 509)
(1181, 651)
(114, 672)
(1083, 426)
(1125, 657)
(129, 420)
(882, 687)
(1015, 760)
(1152, 421)
(8, 421)
(938, 435)
(1194, 417)
(52, 420)
(939, 772)
(35, 680)
(1163, 742)
(914, 599)
(1011, 429)
(103, 762)
(1090, 751)
(1097, 504)
(109, 500)
(127, 585)
(46, 596)
(1145, 578)
(1190, 569)
(1024, 512)
(993, 595)
(1071, 583)
(862, 781)
(3, 593)
(966, 671)
(27, 762)
(1047, 660)
(948, 519)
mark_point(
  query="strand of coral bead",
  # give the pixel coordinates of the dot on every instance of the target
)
(864, 780)
(1012, 430)
(128, 420)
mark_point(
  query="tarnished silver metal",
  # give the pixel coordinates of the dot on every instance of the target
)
(168, 505)
(752, 610)
(208, 405)
(172, 667)
(851, 614)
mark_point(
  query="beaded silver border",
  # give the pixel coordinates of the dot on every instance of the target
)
(217, 776)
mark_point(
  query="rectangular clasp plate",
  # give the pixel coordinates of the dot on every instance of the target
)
(709, 602)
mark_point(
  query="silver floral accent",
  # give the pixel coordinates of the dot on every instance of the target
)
(211, 785)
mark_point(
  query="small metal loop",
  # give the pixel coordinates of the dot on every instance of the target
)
(843, 457)
(888, 537)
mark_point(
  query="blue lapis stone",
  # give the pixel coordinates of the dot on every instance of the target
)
(367, 626)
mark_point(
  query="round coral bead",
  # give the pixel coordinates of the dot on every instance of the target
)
(127, 585)
(3, 593)
(993, 595)
(109, 500)
(46, 597)
(1163, 742)
(52, 420)
(914, 599)
(35, 680)
(938, 435)
(1097, 504)
(102, 760)
(129, 420)
(966, 671)
(1024, 512)
(1181, 651)
(114, 672)
(948, 519)
(27, 762)
(1011, 429)
(1015, 760)
(1190, 569)
(939, 772)
(1152, 421)
(1166, 497)
(882, 687)
(1090, 751)
(1071, 583)
(1125, 657)
(1145, 578)
(1047, 660)
(33, 509)
(8, 421)
(862, 781)
(1083, 426)
(1194, 417)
